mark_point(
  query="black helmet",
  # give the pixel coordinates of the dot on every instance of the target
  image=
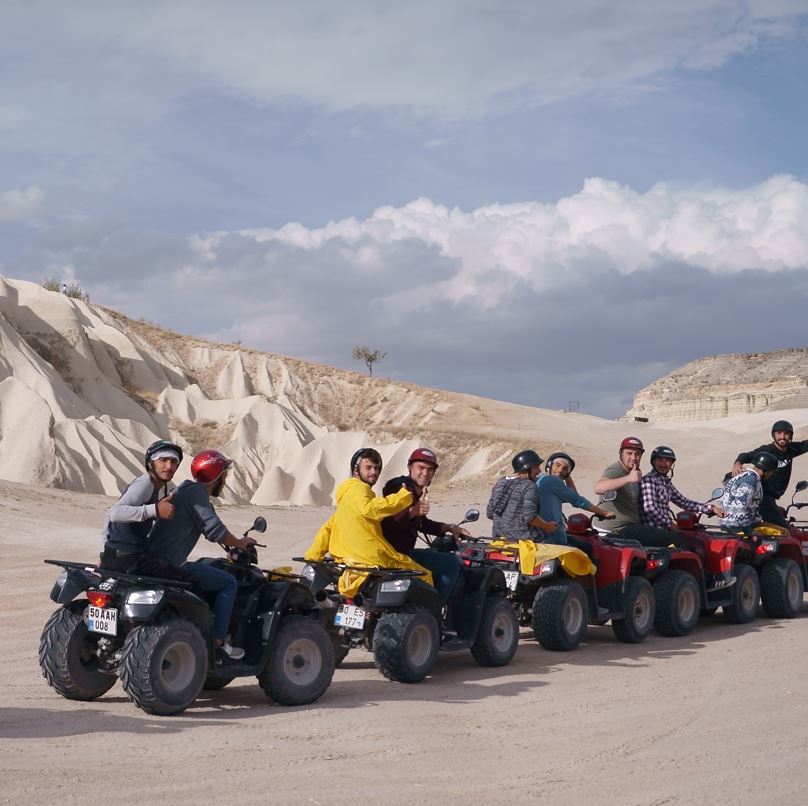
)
(158, 447)
(524, 460)
(664, 451)
(559, 455)
(366, 453)
(765, 461)
(783, 425)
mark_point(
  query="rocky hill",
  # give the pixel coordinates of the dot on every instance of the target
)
(723, 385)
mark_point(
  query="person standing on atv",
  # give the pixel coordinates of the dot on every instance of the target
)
(401, 530)
(623, 478)
(657, 492)
(784, 449)
(129, 522)
(353, 534)
(555, 489)
(194, 515)
(743, 494)
(514, 502)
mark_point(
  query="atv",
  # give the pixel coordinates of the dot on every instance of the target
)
(400, 618)
(156, 635)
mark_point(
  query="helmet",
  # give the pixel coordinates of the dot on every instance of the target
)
(559, 455)
(783, 425)
(159, 447)
(366, 453)
(633, 443)
(423, 455)
(209, 465)
(664, 452)
(525, 460)
(577, 524)
(765, 461)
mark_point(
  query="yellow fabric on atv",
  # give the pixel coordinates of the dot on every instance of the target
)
(771, 530)
(353, 534)
(282, 570)
(531, 554)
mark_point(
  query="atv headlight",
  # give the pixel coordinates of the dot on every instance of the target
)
(308, 573)
(395, 585)
(143, 597)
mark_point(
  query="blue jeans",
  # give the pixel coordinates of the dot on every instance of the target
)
(446, 569)
(224, 585)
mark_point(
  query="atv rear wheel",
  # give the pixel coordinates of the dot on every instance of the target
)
(745, 596)
(639, 610)
(301, 663)
(498, 636)
(164, 665)
(405, 645)
(781, 588)
(678, 601)
(560, 615)
(68, 655)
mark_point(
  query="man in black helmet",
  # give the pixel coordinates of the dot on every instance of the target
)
(131, 519)
(514, 502)
(743, 494)
(784, 449)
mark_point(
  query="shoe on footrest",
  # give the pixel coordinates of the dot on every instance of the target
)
(233, 652)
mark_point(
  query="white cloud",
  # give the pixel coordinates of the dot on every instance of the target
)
(18, 204)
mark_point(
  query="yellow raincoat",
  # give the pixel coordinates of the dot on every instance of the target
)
(353, 535)
(531, 554)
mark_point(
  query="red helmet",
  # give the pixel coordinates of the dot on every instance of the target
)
(633, 443)
(209, 465)
(423, 455)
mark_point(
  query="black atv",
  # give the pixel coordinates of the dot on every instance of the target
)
(157, 636)
(400, 618)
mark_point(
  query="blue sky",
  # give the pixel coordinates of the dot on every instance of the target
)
(515, 189)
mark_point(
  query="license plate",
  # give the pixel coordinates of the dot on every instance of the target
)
(511, 579)
(350, 616)
(102, 619)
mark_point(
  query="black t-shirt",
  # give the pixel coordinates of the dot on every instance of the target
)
(778, 483)
(402, 534)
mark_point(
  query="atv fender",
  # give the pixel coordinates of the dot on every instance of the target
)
(182, 602)
(71, 583)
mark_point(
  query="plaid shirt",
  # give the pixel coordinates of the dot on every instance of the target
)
(656, 494)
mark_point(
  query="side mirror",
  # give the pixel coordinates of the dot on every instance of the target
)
(609, 495)
(801, 485)
(718, 492)
(260, 525)
(471, 516)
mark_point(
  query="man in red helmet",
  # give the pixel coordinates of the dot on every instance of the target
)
(401, 529)
(623, 477)
(172, 541)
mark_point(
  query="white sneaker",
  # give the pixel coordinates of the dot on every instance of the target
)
(235, 652)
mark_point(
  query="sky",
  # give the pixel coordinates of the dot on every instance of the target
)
(534, 202)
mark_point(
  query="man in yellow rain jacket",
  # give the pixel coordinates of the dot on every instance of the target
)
(353, 534)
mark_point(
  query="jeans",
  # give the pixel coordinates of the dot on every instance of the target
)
(446, 569)
(651, 536)
(770, 511)
(224, 585)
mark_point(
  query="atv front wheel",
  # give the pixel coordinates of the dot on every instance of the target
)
(560, 615)
(164, 665)
(498, 636)
(745, 596)
(781, 588)
(405, 645)
(639, 612)
(68, 655)
(678, 602)
(301, 663)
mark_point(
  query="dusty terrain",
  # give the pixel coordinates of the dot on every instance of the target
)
(718, 716)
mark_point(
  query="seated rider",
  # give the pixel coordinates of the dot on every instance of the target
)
(401, 530)
(353, 534)
(194, 515)
(514, 502)
(743, 494)
(555, 489)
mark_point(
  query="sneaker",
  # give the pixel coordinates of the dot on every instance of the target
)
(223, 659)
(233, 652)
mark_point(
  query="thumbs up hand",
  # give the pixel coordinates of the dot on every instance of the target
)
(165, 509)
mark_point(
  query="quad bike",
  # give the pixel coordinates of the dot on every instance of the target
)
(400, 618)
(156, 635)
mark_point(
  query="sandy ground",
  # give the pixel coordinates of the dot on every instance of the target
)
(718, 716)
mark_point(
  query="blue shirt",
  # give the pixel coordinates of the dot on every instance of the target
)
(553, 492)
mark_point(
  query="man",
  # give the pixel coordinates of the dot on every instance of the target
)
(131, 519)
(623, 477)
(353, 534)
(743, 494)
(194, 515)
(401, 530)
(657, 492)
(784, 449)
(514, 502)
(555, 489)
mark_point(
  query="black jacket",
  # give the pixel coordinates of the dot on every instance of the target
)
(402, 534)
(778, 483)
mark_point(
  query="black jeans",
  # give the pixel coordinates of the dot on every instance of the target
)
(770, 511)
(143, 564)
(651, 536)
